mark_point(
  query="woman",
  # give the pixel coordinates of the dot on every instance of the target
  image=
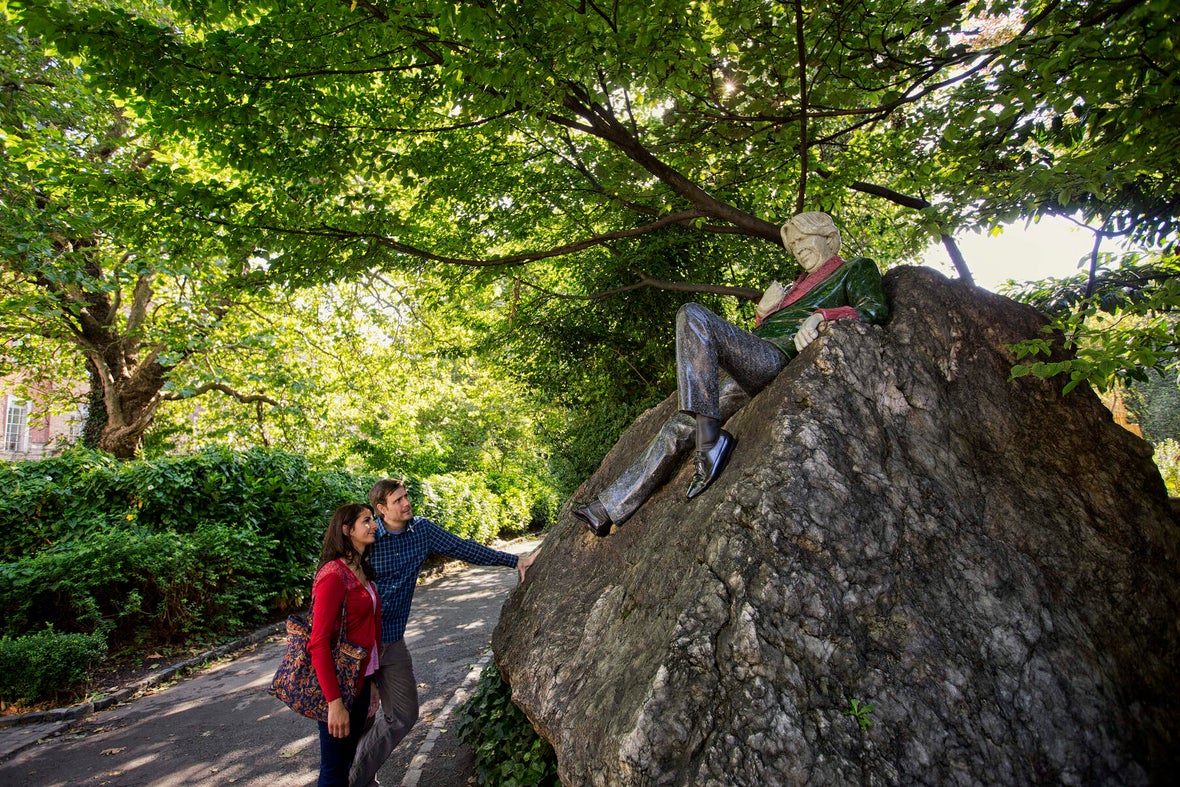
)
(343, 580)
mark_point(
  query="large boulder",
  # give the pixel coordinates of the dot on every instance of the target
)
(989, 563)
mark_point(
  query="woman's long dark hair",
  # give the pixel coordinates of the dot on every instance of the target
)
(337, 544)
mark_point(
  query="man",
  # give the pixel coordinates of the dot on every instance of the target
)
(403, 542)
(706, 346)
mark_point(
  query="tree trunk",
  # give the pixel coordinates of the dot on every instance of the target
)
(135, 399)
(124, 392)
(96, 411)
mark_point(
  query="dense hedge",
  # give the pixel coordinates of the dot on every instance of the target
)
(86, 526)
(186, 549)
(47, 663)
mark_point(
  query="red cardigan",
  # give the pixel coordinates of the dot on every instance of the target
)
(332, 583)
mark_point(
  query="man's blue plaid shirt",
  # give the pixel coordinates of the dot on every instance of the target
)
(397, 559)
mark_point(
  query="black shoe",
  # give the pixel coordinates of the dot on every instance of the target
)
(710, 463)
(595, 517)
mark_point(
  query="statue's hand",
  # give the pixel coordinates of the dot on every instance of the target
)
(808, 331)
(770, 300)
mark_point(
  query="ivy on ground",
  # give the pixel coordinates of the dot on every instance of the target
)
(508, 751)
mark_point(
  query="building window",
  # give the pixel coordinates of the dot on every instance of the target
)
(16, 426)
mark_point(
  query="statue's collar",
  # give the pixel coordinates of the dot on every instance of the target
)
(807, 281)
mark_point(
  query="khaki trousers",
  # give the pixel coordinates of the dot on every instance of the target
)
(395, 683)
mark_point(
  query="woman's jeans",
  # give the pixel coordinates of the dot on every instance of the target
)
(336, 753)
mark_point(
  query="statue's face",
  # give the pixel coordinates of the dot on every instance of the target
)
(812, 251)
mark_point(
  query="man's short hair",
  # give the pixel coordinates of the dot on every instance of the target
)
(383, 489)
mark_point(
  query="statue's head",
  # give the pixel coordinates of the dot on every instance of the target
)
(812, 238)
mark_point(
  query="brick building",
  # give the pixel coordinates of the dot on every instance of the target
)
(29, 431)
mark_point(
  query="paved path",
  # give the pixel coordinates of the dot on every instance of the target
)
(221, 727)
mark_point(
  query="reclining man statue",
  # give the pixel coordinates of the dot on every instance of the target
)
(706, 345)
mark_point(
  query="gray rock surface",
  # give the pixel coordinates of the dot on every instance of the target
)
(990, 564)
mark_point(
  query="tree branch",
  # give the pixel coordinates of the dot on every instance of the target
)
(604, 126)
(1091, 277)
(140, 301)
(682, 217)
(223, 388)
(801, 198)
(957, 260)
(645, 282)
(746, 293)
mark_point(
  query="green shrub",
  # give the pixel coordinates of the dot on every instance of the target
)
(142, 587)
(508, 751)
(47, 664)
(465, 505)
(41, 501)
(276, 499)
(1167, 458)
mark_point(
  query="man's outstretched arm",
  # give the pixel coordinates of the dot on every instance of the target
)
(469, 551)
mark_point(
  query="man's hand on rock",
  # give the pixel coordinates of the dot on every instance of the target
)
(523, 564)
(808, 331)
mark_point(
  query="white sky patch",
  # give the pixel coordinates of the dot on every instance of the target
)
(1052, 247)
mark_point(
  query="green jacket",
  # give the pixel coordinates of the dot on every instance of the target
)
(855, 284)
